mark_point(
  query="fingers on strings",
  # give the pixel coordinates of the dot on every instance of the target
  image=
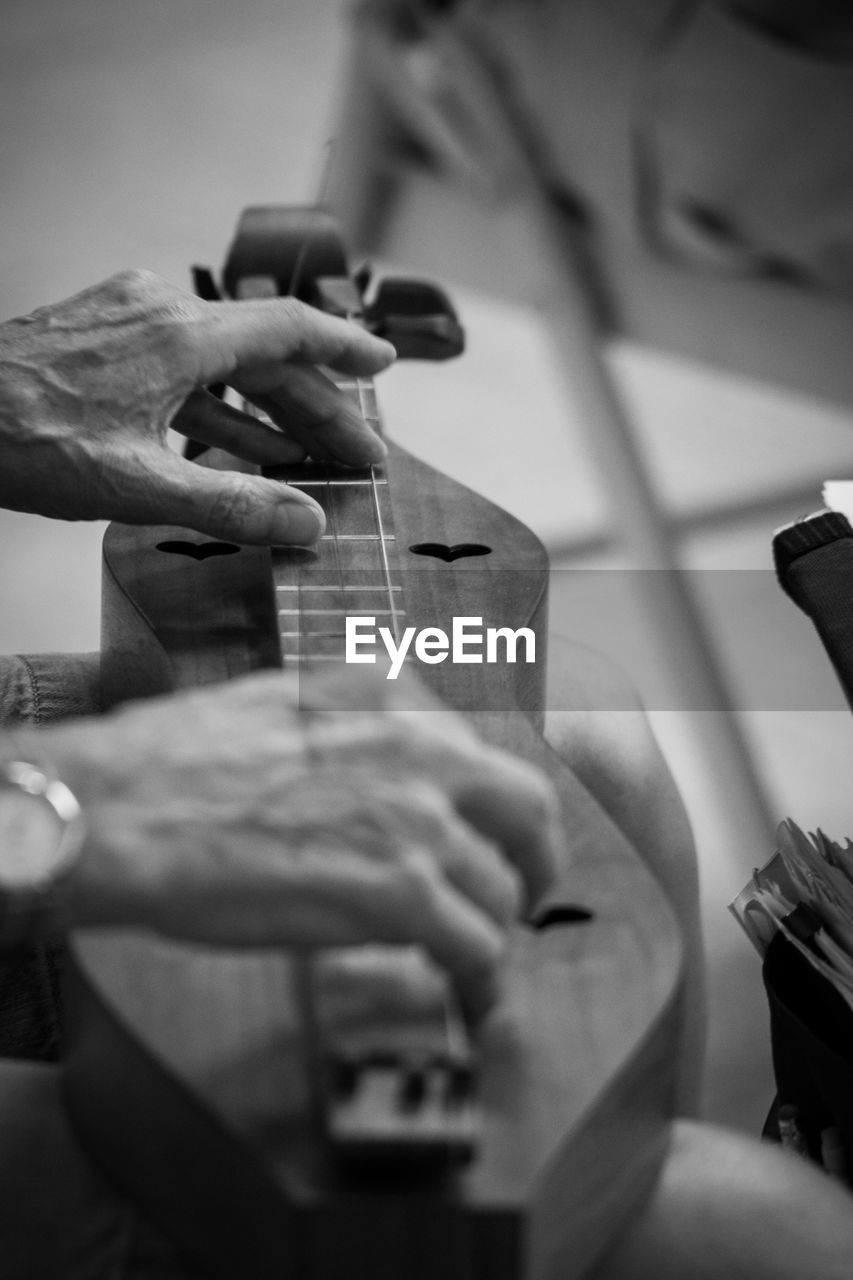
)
(236, 336)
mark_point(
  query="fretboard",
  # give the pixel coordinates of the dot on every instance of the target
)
(352, 571)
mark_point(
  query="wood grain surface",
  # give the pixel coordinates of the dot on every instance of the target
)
(188, 1076)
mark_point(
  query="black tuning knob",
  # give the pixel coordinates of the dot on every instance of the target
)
(418, 318)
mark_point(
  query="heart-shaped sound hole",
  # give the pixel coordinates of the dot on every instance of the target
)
(560, 913)
(458, 551)
(198, 550)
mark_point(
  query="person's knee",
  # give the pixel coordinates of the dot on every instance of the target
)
(597, 725)
(595, 716)
(581, 679)
(728, 1205)
(595, 720)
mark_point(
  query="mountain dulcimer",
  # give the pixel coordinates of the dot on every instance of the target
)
(329, 1117)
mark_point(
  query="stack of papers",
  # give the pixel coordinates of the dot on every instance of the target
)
(806, 893)
(838, 496)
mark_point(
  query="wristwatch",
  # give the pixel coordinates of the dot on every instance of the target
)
(41, 835)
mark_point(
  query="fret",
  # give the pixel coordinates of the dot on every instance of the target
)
(366, 405)
(357, 506)
(339, 562)
(312, 657)
(368, 612)
(363, 395)
(295, 586)
(297, 656)
(319, 575)
(311, 472)
(312, 635)
(349, 503)
(362, 387)
(357, 537)
(336, 484)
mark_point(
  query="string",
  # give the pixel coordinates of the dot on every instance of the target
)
(386, 568)
(336, 546)
(293, 285)
(453, 1040)
(454, 1046)
(325, 181)
(380, 527)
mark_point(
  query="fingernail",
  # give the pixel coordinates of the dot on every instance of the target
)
(299, 523)
(379, 448)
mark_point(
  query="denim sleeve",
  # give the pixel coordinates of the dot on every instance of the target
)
(38, 688)
(35, 690)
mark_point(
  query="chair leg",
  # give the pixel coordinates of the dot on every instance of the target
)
(641, 524)
(366, 177)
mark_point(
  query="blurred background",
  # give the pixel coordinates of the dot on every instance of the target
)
(704, 271)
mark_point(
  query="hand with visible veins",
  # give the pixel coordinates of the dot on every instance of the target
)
(89, 388)
(364, 813)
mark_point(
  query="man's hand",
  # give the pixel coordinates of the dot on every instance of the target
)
(229, 816)
(90, 387)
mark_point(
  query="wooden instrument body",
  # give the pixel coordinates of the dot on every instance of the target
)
(171, 622)
(187, 1075)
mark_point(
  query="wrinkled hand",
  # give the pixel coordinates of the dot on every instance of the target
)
(229, 816)
(89, 388)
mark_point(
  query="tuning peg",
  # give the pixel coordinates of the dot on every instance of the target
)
(418, 318)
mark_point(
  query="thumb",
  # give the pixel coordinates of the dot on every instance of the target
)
(235, 506)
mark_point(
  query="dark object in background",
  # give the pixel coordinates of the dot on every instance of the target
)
(811, 1032)
(811, 1024)
(814, 564)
